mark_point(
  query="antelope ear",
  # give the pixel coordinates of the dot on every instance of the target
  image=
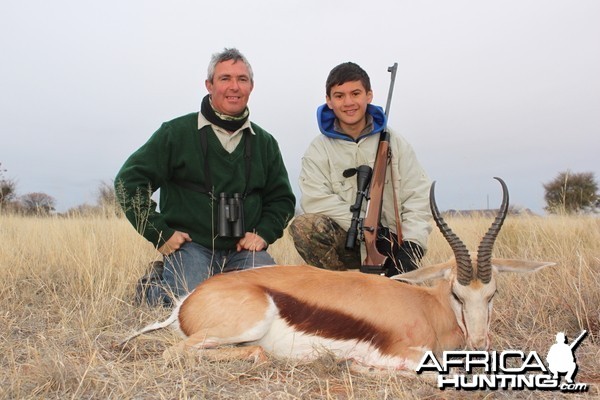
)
(509, 265)
(430, 273)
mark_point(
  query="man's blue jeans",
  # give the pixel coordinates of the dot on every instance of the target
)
(192, 264)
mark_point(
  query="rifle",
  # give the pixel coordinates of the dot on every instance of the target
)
(369, 225)
(575, 342)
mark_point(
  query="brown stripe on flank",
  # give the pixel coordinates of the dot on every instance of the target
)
(326, 322)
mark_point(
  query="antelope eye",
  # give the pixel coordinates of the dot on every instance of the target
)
(456, 297)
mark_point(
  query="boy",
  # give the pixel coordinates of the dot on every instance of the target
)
(350, 127)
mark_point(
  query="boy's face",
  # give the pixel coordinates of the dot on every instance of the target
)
(230, 88)
(349, 104)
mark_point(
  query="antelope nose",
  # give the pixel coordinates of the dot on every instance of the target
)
(480, 344)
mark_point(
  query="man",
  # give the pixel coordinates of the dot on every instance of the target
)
(350, 127)
(207, 164)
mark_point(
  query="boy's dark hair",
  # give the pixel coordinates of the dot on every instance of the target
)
(347, 72)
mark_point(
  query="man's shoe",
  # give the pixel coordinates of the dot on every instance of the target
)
(152, 278)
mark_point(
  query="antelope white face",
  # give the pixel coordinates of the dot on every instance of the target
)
(472, 305)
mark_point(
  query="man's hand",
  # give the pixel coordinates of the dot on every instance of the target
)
(251, 242)
(174, 243)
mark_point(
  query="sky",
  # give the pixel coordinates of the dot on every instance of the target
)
(484, 88)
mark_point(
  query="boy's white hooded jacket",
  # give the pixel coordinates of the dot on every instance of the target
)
(326, 191)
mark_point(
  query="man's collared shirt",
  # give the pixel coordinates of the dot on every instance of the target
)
(229, 140)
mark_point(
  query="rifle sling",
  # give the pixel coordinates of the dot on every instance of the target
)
(396, 212)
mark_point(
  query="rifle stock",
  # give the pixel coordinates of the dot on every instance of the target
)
(374, 260)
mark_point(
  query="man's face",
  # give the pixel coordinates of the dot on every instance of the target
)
(230, 88)
(349, 104)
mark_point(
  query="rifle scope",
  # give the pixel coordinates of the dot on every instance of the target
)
(363, 177)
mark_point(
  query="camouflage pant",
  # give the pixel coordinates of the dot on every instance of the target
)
(322, 242)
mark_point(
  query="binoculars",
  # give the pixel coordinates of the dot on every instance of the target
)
(231, 215)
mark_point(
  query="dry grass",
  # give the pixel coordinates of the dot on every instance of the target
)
(66, 287)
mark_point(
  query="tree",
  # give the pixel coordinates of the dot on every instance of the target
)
(572, 193)
(7, 189)
(38, 203)
(106, 204)
(107, 199)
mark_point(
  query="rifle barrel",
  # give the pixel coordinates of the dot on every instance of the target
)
(393, 70)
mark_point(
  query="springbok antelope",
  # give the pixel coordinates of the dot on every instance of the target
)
(300, 311)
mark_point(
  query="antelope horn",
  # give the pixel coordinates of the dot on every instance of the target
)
(484, 252)
(464, 267)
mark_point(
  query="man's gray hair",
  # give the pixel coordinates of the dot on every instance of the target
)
(226, 55)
